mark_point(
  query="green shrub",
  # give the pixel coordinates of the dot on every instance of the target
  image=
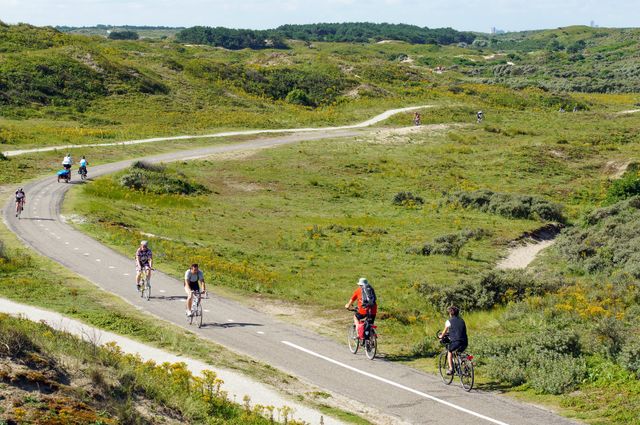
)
(407, 199)
(298, 97)
(508, 205)
(624, 188)
(491, 288)
(556, 374)
(630, 356)
(607, 240)
(123, 35)
(156, 179)
(547, 360)
(449, 244)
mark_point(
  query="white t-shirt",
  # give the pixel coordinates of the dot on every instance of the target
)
(67, 160)
(188, 276)
(447, 324)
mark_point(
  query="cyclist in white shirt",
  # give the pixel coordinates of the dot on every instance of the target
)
(193, 281)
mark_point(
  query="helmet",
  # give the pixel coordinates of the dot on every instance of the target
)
(144, 243)
(362, 281)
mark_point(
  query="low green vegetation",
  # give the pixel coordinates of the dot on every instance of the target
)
(48, 376)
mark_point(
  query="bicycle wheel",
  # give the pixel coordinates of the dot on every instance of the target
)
(443, 365)
(147, 288)
(371, 346)
(352, 339)
(466, 373)
(199, 313)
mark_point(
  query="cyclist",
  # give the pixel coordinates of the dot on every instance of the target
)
(83, 166)
(66, 162)
(144, 262)
(480, 116)
(456, 330)
(21, 199)
(193, 281)
(362, 311)
(417, 118)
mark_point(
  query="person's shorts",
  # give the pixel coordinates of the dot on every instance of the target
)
(458, 346)
(143, 266)
(66, 166)
(372, 317)
(194, 286)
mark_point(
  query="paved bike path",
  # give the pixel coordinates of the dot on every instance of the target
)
(403, 393)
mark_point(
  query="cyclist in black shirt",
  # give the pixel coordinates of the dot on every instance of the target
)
(456, 330)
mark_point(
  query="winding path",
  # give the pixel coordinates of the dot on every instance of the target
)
(378, 118)
(404, 394)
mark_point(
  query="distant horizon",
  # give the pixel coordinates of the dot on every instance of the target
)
(462, 15)
(506, 31)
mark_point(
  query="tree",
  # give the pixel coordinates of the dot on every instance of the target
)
(123, 35)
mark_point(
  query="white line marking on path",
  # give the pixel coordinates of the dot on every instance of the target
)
(163, 291)
(395, 384)
(86, 254)
(111, 267)
(229, 320)
(98, 260)
(260, 333)
(207, 311)
(76, 249)
(126, 274)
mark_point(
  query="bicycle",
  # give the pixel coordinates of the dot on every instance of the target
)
(19, 210)
(462, 366)
(144, 286)
(369, 342)
(83, 173)
(196, 308)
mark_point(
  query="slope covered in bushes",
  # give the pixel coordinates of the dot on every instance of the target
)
(53, 377)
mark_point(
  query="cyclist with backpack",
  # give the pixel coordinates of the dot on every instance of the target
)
(367, 302)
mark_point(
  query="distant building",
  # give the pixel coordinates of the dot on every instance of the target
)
(496, 31)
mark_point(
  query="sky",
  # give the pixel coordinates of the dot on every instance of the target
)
(469, 15)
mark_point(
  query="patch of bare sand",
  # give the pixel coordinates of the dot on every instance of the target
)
(243, 186)
(616, 169)
(526, 248)
(402, 135)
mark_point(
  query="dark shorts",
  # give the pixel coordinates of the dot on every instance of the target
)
(458, 346)
(372, 317)
(194, 286)
(66, 166)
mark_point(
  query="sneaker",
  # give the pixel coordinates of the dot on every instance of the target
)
(449, 372)
(188, 313)
(138, 287)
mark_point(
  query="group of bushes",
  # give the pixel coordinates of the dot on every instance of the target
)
(68, 380)
(509, 205)
(233, 39)
(487, 290)
(607, 240)
(407, 199)
(156, 179)
(298, 86)
(449, 244)
(354, 32)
